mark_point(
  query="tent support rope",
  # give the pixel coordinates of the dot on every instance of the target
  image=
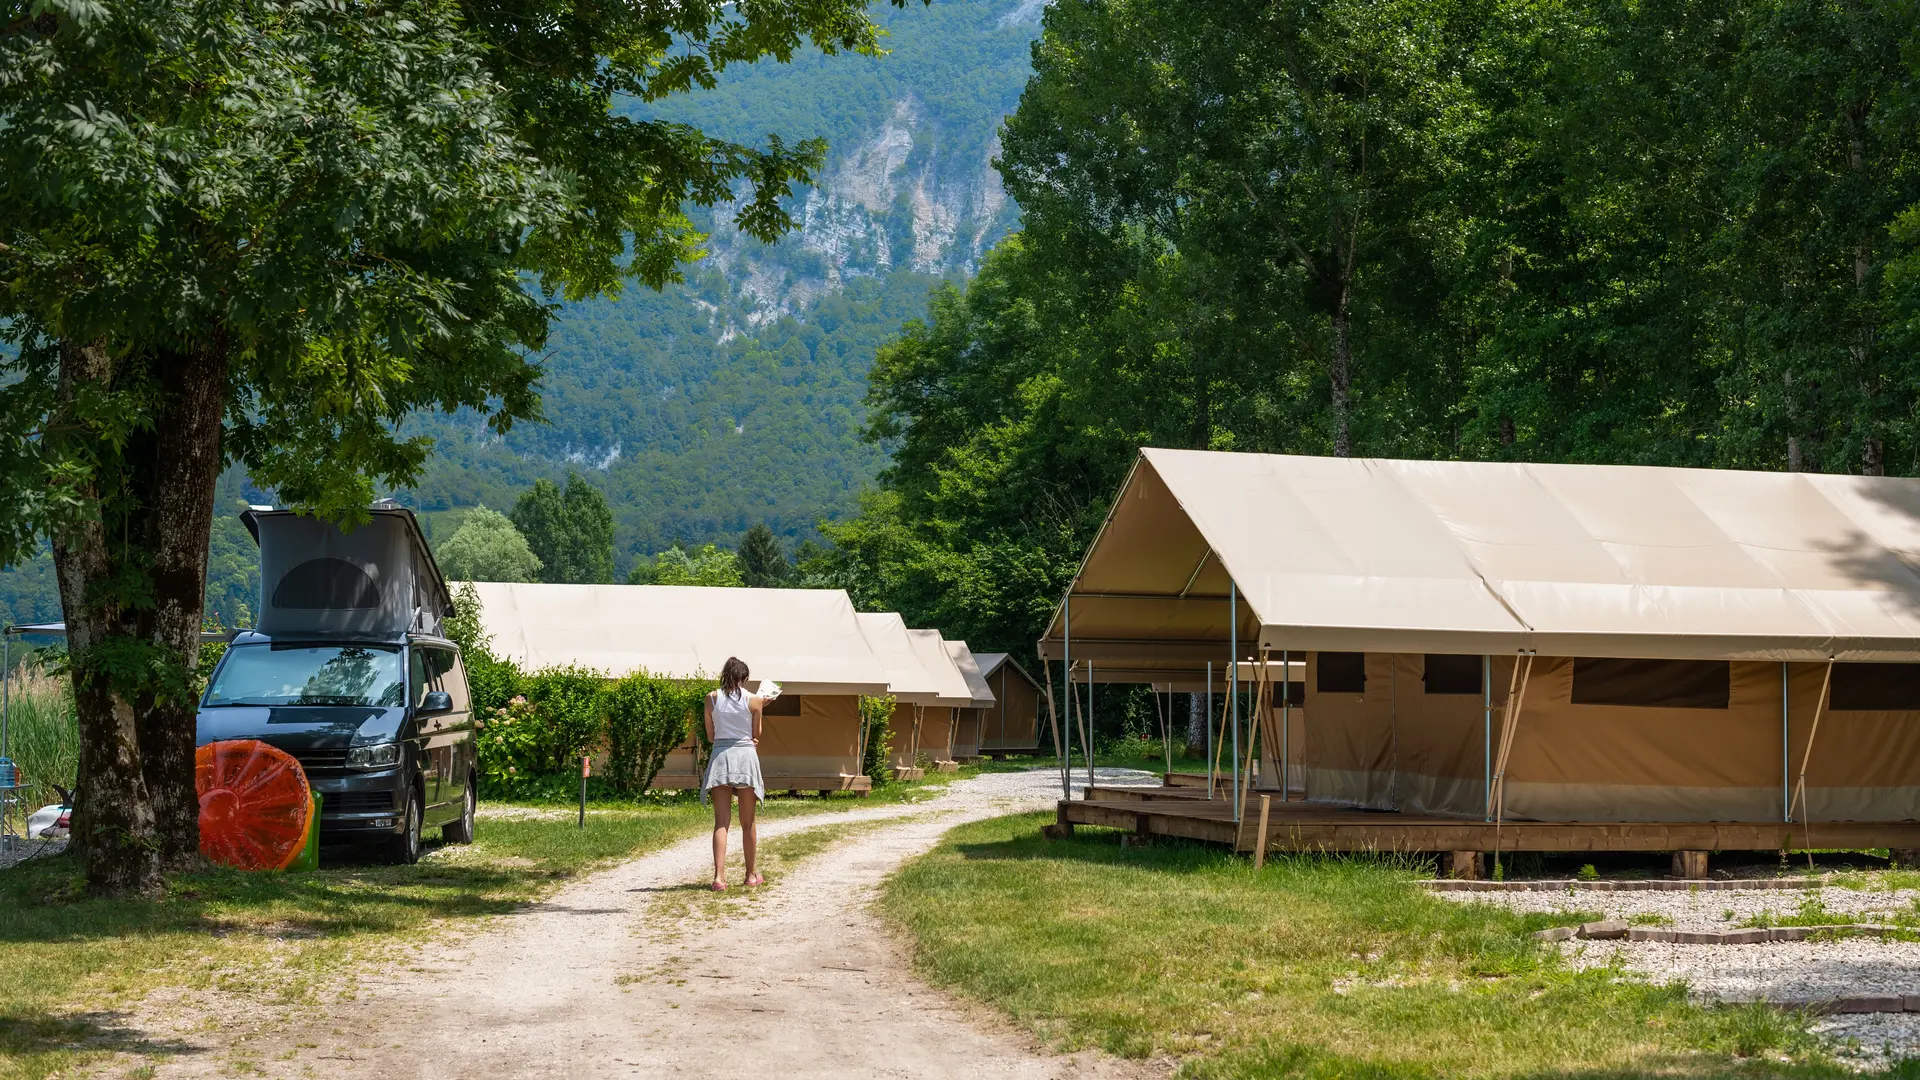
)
(1800, 784)
(1053, 724)
(1508, 724)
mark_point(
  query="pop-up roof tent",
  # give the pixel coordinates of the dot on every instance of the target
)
(805, 639)
(374, 580)
(1013, 724)
(1688, 625)
(969, 722)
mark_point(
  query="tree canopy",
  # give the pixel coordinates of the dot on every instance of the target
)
(570, 531)
(486, 547)
(1575, 231)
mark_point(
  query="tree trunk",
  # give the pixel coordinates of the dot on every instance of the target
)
(133, 584)
(113, 815)
(1196, 725)
(1340, 374)
(185, 467)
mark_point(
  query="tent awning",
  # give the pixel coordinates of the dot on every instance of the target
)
(1382, 555)
(805, 639)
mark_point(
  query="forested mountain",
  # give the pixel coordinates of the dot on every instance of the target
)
(736, 397)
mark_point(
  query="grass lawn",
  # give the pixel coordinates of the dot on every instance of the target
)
(1314, 967)
(290, 937)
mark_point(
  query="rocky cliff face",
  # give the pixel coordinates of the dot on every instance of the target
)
(899, 199)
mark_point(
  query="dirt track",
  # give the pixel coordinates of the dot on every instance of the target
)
(604, 980)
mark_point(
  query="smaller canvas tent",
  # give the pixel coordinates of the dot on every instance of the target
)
(1012, 726)
(937, 719)
(971, 720)
(375, 580)
(807, 640)
(914, 688)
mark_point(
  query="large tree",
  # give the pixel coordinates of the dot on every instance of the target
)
(569, 529)
(265, 232)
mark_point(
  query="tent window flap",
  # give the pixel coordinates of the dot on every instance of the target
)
(1875, 688)
(1665, 684)
(1448, 673)
(1341, 673)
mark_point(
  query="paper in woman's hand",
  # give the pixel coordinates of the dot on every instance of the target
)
(769, 690)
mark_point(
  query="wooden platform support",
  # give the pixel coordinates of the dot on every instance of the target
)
(1690, 865)
(1466, 865)
(1298, 826)
(859, 783)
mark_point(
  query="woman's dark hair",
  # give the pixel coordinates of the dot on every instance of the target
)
(732, 674)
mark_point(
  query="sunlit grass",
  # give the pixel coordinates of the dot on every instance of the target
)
(1313, 967)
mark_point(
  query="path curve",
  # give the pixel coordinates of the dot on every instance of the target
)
(595, 983)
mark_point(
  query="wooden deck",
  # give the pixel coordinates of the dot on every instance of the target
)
(1183, 810)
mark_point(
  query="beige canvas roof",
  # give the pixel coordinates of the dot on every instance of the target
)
(908, 680)
(805, 639)
(970, 671)
(1367, 554)
(950, 687)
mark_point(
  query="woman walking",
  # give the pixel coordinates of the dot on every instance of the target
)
(733, 726)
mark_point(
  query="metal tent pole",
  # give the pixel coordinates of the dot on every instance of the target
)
(6, 701)
(1066, 679)
(1209, 747)
(1786, 752)
(1233, 687)
(1486, 700)
(1286, 724)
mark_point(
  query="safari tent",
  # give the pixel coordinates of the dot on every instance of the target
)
(1012, 725)
(971, 721)
(807, 640)
(924, 692)
(1520, 642)
(937, 719)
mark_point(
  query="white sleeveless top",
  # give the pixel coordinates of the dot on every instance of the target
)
(732, 717)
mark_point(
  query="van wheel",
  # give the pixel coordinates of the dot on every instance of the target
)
(404, 850)
(461, 831)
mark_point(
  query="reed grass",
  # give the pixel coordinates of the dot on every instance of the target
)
(43, 734)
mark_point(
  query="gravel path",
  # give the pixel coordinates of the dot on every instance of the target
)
(596, 983)
(1709, 910)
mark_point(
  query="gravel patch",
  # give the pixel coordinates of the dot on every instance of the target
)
(15, 850)
(1704, 910)
(1776, 971)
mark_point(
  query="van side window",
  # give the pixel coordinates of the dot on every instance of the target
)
(430, 669)
(456, 683)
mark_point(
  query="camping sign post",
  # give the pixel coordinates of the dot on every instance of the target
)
(586, 770)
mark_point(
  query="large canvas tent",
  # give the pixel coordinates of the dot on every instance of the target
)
(1570, 643)
(970, 722)
(1012, 726)
(807, 640)
(911, 685)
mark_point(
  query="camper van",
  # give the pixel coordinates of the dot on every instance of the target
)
(348, 671)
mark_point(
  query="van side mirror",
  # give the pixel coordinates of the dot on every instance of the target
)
(436, 701)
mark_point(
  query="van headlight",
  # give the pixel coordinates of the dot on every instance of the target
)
(378, 756)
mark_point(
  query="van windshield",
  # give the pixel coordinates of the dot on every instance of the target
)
(309, 675)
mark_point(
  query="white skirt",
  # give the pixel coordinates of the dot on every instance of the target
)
(735, 764)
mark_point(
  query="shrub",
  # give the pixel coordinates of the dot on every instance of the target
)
(512, 747)
(566, 712)
(645, 718)
(877, 714)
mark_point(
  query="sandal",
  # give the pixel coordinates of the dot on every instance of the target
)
(754, 880)
(719, 886)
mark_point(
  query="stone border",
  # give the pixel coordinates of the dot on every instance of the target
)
(1618, 930)
(1645, 885)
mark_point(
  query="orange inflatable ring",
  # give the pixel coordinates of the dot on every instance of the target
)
(255, 804)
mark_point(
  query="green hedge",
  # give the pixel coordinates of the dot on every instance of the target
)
(535, 725)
